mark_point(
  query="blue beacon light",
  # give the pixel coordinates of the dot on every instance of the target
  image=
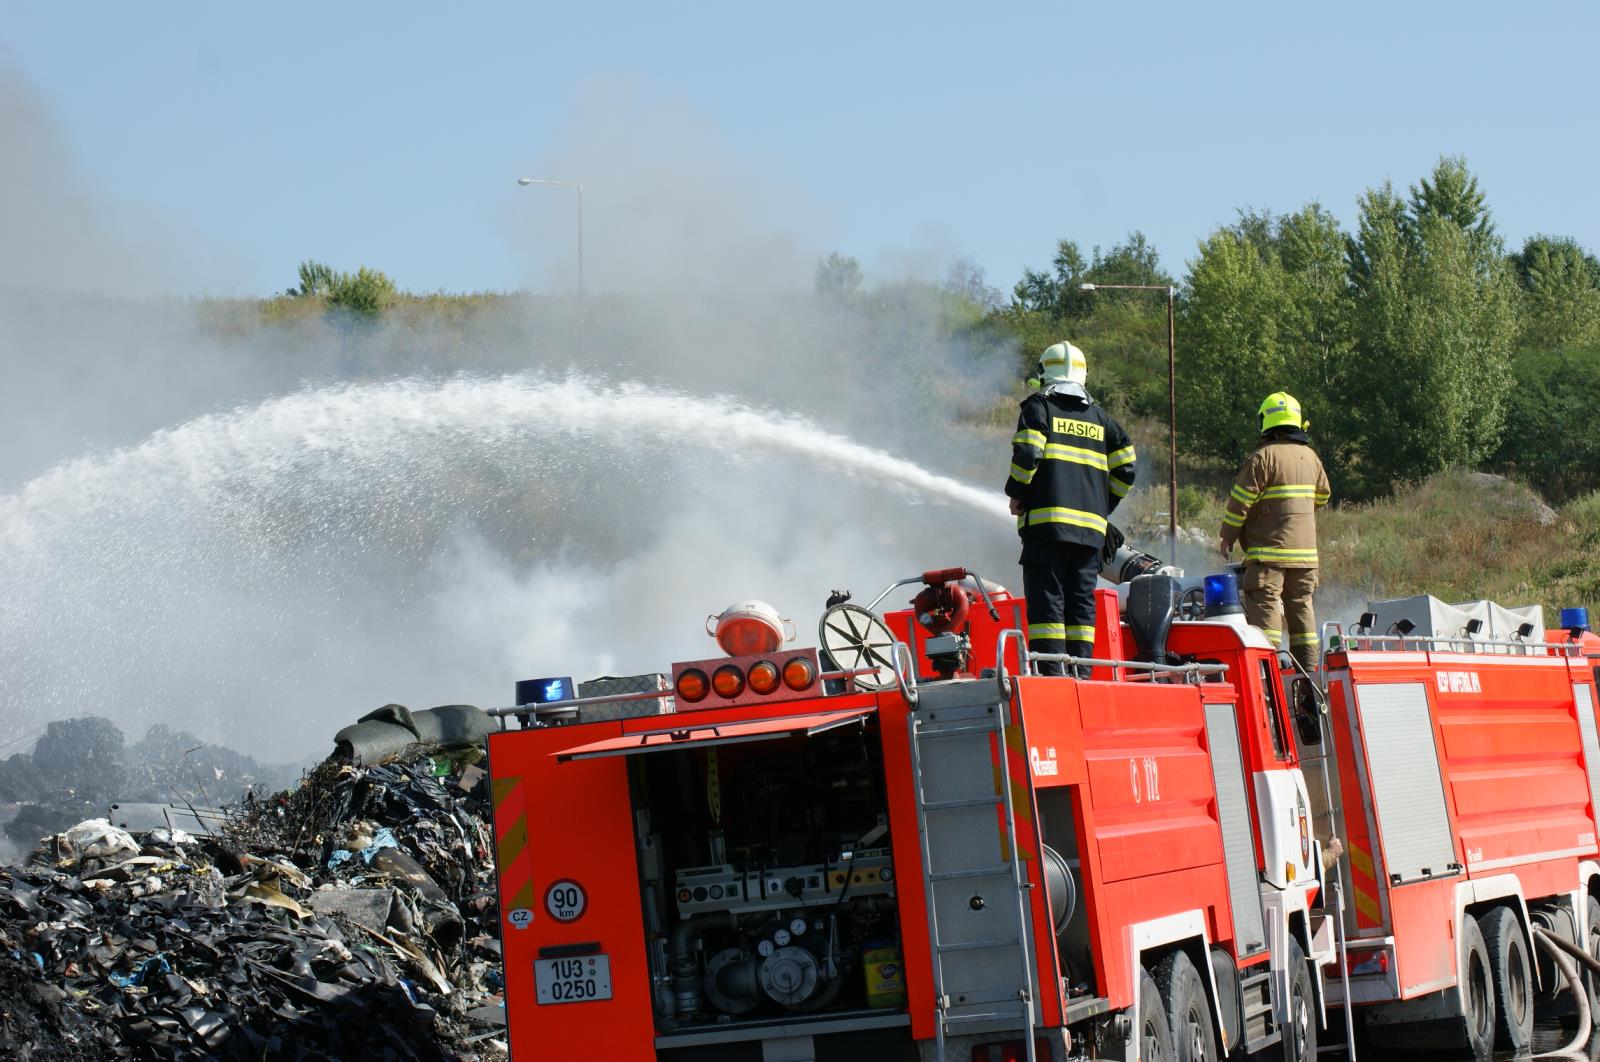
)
(1575, 620)
(1222, 595)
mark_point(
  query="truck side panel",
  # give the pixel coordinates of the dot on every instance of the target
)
(1151, 841)
(576, 825)
(1516, 773)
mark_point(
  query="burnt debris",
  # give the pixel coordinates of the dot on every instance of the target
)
(351, 915)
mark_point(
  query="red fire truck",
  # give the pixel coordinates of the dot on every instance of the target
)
(1463, 776)
(904, 843)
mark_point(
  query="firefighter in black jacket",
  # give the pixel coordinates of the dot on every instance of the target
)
(1071, 463)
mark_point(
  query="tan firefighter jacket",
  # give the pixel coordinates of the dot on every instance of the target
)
(1272, 509)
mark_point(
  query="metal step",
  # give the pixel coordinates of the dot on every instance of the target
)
(1018, 1013)
(1252, 987)
(954, 731)
(977, 872)
(964, 1002)
(980, 945)
(969, 802)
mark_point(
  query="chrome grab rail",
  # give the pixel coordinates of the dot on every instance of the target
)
(908, 689)
(1192, 672)
(1460, 643)
(1006, 635)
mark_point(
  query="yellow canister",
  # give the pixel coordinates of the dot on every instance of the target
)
(886, 977)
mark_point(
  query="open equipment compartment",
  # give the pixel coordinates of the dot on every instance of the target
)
(766, 880)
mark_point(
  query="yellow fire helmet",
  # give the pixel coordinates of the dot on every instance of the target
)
(1280, 410)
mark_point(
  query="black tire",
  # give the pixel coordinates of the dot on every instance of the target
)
(1300, 1034)
(1477, 986)
(1512, 968)
(1194, 1032)
(1591, 940)
(1155, 1034)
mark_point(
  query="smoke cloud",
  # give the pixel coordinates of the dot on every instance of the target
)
(320, 542)
(62, 233)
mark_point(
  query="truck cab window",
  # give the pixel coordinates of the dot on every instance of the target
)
(1274, 707)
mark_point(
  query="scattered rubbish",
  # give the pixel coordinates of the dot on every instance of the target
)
(352, 916)
(98, 839)
(395, 730)
(185, 818)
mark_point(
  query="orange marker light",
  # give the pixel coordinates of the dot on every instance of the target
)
(693, 685)
(764, 676)
(798, 673)
(728, 681)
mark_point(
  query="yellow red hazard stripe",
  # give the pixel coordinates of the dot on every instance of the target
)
(513, 860)
(1363, 878)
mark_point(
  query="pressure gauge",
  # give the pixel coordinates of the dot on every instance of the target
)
(781, 937)
(798, 926)
(765, 948)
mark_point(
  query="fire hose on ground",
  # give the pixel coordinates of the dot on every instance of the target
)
(1563, 954)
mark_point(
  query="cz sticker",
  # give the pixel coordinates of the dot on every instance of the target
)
(565, 901)
(521, 918)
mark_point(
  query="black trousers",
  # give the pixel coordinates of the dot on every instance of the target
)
(1058, 579)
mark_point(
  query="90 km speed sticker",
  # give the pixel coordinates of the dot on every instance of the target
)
(565, 901)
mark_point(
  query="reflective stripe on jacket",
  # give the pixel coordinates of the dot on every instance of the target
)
(1071, 463)
(1272, 507)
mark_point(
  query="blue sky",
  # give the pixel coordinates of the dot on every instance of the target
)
(250, 137)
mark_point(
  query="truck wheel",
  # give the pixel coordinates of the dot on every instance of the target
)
(1477, 987)
(1591, 942)
(1194, 1037)
(1300, 1035)
(1155, 1035)
(1513, 978)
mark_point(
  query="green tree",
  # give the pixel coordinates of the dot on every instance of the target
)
(316, 279)
(1230, 346)
(1434, 320)
(84, 754)
(838, 277)
(1560, 294)
(1315, 330)
(1265, 309)
(1451, 193)
(1059, 293)
(966, 280)
(366, 292)
(1552, 407)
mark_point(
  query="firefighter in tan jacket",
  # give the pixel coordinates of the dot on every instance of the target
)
(1272, 515)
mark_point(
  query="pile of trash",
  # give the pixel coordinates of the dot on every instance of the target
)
(352, 916)
(80, 765)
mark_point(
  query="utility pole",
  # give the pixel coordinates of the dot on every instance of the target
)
(525, 181)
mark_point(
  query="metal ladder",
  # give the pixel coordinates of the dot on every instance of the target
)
(977, 895)
(1332, 880)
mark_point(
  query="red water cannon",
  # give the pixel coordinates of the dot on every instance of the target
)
(942, 605)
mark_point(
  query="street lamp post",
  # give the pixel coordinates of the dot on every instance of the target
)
(1172, 405)
(525, 181)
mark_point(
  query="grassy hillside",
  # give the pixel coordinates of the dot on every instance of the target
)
(1458, 536)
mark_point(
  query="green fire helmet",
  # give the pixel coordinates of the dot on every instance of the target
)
(1280, 410)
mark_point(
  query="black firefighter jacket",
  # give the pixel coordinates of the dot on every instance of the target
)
(1071, 463)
